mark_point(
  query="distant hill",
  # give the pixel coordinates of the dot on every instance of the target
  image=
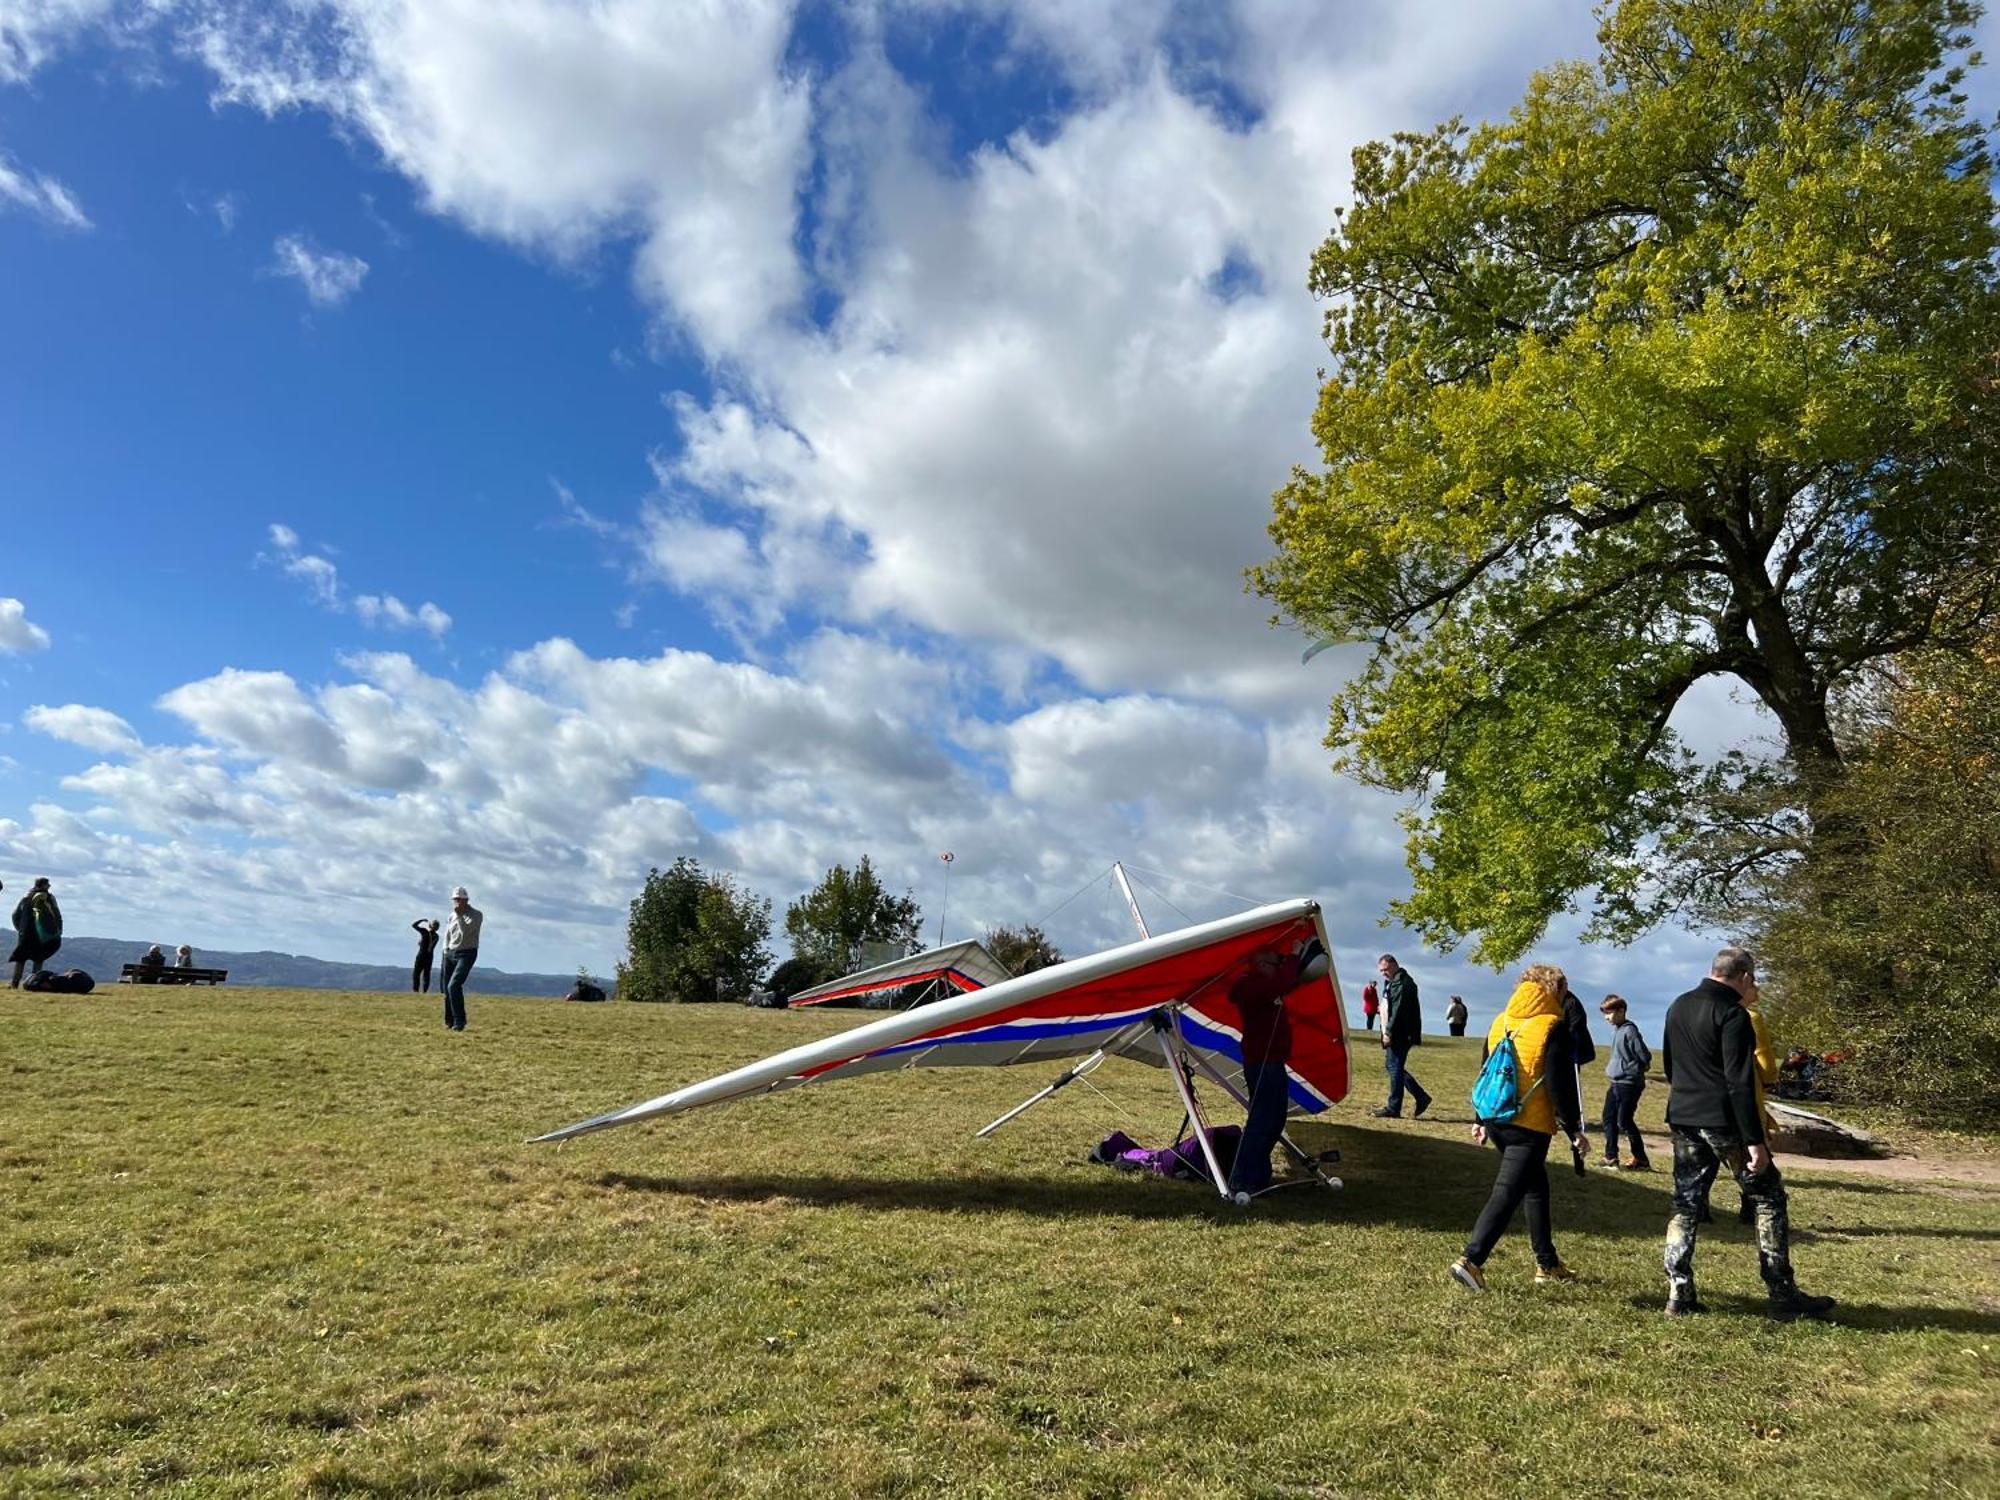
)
(102, 958)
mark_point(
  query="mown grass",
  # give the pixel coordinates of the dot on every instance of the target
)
(280, 1242)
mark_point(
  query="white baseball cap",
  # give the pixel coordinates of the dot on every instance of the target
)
(458, 893)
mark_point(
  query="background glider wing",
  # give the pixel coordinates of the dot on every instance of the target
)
(1103, 1001)
(965, 966)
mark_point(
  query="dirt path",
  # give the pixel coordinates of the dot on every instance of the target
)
(1941, 1169)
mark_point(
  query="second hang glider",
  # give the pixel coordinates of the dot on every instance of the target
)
(1164, 1001)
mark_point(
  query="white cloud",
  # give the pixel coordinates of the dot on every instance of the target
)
(19, 634)
(92, 728)
(330, 277)
(40, 195)
(321, 576)
(554, 783)
(388, 610)
(556, 127)
(1086, 430)
(33, 31)
(1095, 339)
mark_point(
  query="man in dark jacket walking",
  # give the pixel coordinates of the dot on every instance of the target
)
(1709, 1053)
(1402, 1029)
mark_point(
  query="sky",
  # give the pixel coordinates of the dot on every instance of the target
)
(519, 443)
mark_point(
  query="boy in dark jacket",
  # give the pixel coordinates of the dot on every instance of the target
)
(1709, 1053)
(1626, 1072)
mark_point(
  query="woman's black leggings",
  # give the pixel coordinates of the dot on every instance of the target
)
(1523, 1177)
(420, 974)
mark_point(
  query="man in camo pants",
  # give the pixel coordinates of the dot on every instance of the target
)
(1709, 1052)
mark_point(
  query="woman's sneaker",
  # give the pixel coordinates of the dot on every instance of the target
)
(1554, 1275)
(1467, 1275)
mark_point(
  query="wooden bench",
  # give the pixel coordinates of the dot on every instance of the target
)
(166, 974)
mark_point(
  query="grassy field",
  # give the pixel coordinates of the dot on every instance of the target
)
(283, 1242)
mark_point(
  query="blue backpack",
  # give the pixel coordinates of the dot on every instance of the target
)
(1496, 1093)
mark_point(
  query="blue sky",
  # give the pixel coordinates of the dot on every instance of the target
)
(523, 444)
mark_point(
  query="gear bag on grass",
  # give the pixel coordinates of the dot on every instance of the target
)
(1496, 1094)
(68, 982)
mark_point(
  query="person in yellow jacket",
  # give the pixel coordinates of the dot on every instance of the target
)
(1545, 1071)
(1767, 1076)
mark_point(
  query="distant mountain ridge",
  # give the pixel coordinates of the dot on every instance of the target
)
(103, 958)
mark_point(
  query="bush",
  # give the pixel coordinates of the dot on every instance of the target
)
(692, 937)
(1888, 941)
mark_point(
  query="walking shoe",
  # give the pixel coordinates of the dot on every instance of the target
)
(1422, 1105)
(1609, 1163)
(1384, 1113)
(1682, 1305)
(1467, 1275)
(1554, 1275)
(1791, 1304)
(1635, 1164)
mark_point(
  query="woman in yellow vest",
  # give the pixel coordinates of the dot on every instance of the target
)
(1767, 1076)
(1545, 1072)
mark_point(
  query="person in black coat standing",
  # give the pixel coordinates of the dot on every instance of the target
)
(427, 941)
(1709, 1053)
(1577, 1021)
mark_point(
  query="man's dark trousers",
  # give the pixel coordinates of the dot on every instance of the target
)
(451, 979)
(1270, 1091)
(1699, 1154)
(1393, 1062)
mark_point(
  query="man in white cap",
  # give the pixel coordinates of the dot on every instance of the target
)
(461, 948)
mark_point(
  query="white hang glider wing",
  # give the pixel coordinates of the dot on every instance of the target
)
(1161, 1001)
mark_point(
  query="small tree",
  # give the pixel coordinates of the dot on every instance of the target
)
(1023, 950)
(847, 908)
(693, 936)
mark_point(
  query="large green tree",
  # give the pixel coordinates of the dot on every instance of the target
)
(693, 936)
(1684, 370)
(847, 908)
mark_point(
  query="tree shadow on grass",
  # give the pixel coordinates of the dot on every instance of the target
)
(1407, 1179)
(1872, 1317)
(1913, 1231)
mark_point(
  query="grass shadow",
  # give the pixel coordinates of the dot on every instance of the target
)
(1872, 1317)
(1906, 1231)
(1406, 1179)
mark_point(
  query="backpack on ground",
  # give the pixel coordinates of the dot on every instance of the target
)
(69, 982)
(1496, 1093)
